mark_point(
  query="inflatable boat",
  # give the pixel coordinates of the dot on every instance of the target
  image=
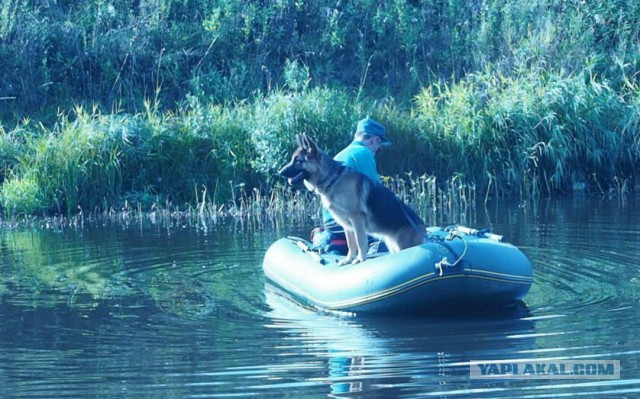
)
(457, 267)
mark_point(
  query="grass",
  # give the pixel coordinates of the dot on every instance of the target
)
(528, 135)
(533, 134)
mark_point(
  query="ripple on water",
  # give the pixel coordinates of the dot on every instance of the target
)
(575, 275)
(147, 312)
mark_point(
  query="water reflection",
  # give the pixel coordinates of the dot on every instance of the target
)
(179, 310)
(383, 356)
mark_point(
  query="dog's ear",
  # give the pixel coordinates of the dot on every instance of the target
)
(302, 141)
(311, 146)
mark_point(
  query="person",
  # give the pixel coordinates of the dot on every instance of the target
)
(369, 138)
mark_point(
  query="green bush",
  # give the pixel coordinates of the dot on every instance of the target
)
(76, 165)
(21, 196)
(531, 133)
(180, 154)
(534, 133)
(329, 116)
(119, 53)
(10, 149)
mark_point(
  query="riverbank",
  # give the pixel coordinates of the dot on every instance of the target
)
(529, 136)
(104, 105)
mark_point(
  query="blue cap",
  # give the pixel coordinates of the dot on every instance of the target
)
(372, 127)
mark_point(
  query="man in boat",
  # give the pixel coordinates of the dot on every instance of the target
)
(369, 138)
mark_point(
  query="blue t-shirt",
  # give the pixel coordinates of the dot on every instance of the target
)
(359, 157)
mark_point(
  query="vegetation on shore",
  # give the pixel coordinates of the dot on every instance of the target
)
(193, 105)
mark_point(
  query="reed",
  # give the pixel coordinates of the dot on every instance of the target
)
(327, 115)
(531, 134)
(10, 149)
(62, 171)
(525, 135)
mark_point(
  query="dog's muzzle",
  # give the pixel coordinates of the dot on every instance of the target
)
(293, 176)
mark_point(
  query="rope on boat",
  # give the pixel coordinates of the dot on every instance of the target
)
(444, 263)
(455, 232)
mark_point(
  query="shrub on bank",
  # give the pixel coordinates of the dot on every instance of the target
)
(329, 116)
(532, 133)
(180, 155)
(74, 166)
(10, 149)
(528, 135)
(21, 196)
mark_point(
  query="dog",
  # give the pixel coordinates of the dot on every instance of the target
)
(359, 204)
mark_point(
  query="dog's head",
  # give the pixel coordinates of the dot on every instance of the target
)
(304, 161)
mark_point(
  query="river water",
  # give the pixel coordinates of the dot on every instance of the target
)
(166, 309)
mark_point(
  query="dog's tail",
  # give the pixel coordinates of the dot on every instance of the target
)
(414, 219)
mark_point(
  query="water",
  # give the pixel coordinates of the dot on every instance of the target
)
(152, 310)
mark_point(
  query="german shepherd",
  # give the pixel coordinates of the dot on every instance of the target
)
(360, 205)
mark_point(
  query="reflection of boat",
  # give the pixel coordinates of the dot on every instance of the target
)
(457, 267)
(383, 357)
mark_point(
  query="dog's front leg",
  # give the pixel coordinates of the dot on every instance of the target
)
(352, 245)
(357, 242)
(360, 234)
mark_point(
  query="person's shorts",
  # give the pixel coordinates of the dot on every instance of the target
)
(333, 240)
(330, 239)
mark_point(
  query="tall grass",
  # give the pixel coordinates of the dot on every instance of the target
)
(182, 154)
(118, 53)
(330, 116)
(533, 133)
(75, 166)
(525, 135)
